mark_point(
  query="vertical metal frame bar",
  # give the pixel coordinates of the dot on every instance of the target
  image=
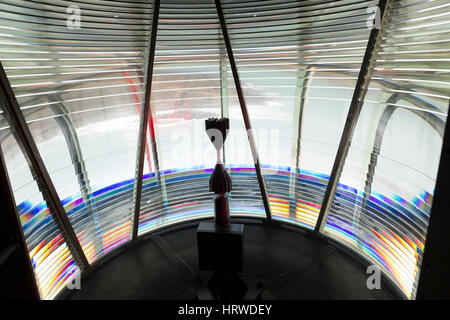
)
(144, 125)
(245, 115)
(434, 276)
(352, 119)
(40, 173)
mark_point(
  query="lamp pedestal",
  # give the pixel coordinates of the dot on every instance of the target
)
(220, 243)
(220, 249)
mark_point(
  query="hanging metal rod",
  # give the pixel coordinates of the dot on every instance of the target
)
(144, 125)
(352, 118)
(26, 142)
(248, 125)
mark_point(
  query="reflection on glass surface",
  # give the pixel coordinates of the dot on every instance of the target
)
(298, 63)
(52, 262)
(383, 202)
(81, 92)
(185, 91)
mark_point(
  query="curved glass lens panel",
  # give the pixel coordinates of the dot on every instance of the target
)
(382, 205)
(185, 92)
(77, 72)
(298, 63)
(50, 257)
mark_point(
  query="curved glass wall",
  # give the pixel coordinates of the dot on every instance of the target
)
(78, 73)
(79, 88)
(288, 54)
(50, 257)
(382, 205)
(185, 91)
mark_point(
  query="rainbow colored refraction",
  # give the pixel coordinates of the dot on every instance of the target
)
(397, 254)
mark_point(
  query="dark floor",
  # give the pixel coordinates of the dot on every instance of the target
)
(291, 264)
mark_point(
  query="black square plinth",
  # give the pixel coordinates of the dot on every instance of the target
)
(220, 248)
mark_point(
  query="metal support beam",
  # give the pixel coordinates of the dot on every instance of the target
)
(40, 173)
(248, 126)
(434, 275)
(352, 118)
(144, 125)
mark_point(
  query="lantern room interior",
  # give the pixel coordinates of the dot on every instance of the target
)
(337, 146)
